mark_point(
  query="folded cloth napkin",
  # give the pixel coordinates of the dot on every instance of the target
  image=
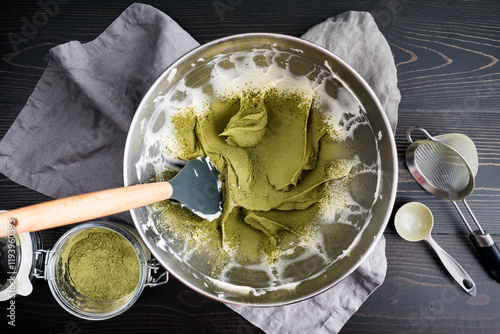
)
(70, 136)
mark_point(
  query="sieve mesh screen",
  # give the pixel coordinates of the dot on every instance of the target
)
(443, 167)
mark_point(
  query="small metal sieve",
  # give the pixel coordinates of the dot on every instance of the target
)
(445, 166)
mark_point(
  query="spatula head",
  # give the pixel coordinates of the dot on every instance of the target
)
(198, 187)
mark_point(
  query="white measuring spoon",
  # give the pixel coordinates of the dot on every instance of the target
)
(414, 222)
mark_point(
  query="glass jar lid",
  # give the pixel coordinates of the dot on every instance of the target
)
(17, 257)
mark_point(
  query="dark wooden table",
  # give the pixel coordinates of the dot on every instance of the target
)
(447, 55)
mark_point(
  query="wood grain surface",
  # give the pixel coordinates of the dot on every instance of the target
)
(447, 55)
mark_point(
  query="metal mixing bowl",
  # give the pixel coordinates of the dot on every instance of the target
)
(375, 192)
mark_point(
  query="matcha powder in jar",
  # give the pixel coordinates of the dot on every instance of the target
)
(102, 265)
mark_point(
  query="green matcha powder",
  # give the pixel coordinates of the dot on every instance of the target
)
(275, 153)
(102, 265)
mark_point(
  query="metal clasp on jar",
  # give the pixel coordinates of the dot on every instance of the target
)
(41, 258)
(153, 268)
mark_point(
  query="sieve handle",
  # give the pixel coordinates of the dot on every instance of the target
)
(417, 128)
(488, 251)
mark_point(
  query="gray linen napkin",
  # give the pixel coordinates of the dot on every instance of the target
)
(70, 136)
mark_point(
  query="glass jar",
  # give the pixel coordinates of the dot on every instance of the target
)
(52, 266)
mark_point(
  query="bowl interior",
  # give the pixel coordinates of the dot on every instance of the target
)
(372, 189)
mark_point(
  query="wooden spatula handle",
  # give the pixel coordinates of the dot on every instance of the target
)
(83, 207)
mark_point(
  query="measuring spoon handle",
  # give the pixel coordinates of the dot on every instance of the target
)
(454, 268)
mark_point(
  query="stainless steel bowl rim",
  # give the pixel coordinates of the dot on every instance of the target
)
(393, 158)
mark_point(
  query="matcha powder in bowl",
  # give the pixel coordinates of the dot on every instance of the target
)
(306, 159)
